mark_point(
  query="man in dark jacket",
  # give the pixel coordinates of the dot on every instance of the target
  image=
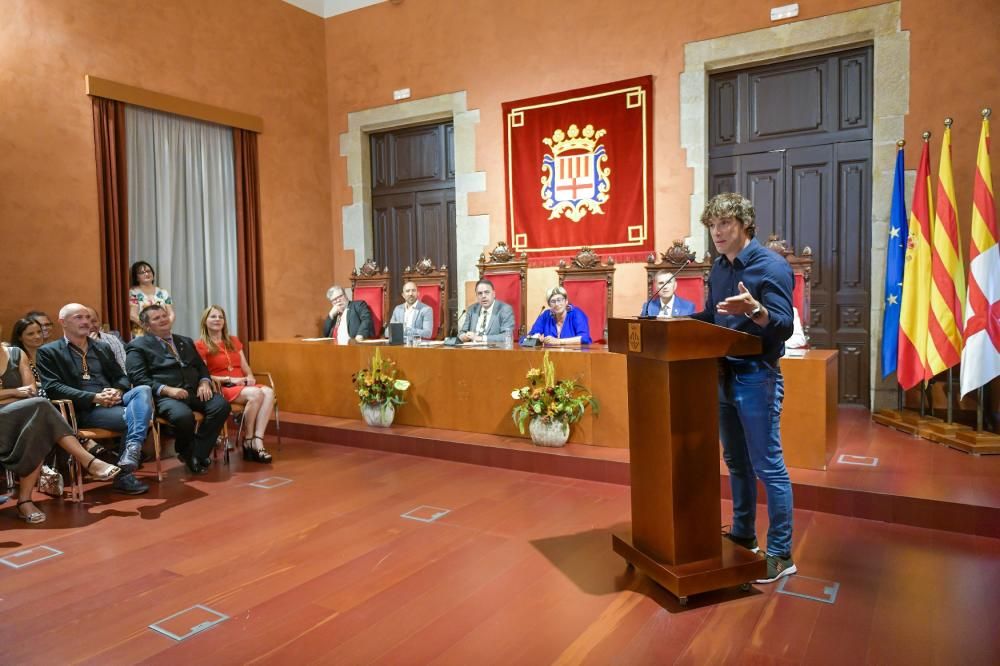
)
(347, 319)
(170, 365)
(84, 371)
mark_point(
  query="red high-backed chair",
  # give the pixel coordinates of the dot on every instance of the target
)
(802, 272)
(432, 287)
(371, 285)
(590, 287)
(509, 275)
(691, 278)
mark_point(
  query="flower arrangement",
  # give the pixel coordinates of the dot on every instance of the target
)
(552, 401)
(377, 384)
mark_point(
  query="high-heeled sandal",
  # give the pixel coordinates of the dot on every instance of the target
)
(253, 454)
(32, 518)
(111, 472)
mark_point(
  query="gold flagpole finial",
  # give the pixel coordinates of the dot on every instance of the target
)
(900, 144)
(986, 113)
(948, 122)
(927, 136)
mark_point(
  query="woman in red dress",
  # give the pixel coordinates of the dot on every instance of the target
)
(223, 354)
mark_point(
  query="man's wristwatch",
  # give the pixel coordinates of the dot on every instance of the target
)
(753, 314)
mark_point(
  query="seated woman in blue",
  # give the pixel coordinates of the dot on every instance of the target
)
(561, 324)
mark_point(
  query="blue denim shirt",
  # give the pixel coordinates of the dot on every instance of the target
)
(768, 278)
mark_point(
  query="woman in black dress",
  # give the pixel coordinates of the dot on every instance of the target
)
(28, 429)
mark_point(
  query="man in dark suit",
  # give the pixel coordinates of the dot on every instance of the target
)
(489, 320)
(170, 365)
(347, 319)
(665, 303)
(85, 371)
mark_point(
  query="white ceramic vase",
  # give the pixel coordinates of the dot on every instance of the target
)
(378, 415)
(548, 433)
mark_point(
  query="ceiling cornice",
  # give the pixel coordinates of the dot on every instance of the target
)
(328, 8)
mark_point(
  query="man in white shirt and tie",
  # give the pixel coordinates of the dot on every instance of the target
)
(413, 314)
(489, 319)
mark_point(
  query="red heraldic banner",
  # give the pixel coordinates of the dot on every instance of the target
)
(580, 172)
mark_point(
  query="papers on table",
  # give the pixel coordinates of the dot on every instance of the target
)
(315, 339)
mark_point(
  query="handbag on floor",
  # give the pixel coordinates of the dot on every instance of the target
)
(50, 482)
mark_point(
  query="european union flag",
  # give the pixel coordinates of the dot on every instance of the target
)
(895, 253)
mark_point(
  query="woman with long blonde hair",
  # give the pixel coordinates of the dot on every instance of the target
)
(223, 354)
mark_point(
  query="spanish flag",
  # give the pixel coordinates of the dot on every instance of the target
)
(912, 367)
(944, 341)
(981, 355)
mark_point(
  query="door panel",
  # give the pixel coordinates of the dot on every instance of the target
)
(413, 201)
(800, 150)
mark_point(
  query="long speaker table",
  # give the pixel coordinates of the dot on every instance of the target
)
(468, 389)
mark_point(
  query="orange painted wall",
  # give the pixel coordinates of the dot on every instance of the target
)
(500, 51)
(264, 58)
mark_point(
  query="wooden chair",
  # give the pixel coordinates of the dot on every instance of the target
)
(691, 275)
(75, 469)
(371, 285)
(236, 409)
(159, 421)
(802, 272)
(590, 286)
(432, 287)
(509, 275)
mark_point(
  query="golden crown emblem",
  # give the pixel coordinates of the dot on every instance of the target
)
(574, 139)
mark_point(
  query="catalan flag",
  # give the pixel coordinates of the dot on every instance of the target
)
(944, 338)
(895, 254)
(981, 355)
(912, 367)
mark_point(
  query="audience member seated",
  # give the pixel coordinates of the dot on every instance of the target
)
(347, 319)
(112, 340)
(85, 372)
(16, 380)
(413, 314)
(28, 429)
(798, 339)
(488, 320)
(43, 321)
(562, 324)
(665, 303)
(27, 335)
(143, 293)
(223, 354)
(170, 365)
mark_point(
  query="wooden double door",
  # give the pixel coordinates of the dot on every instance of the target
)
(413, 201)
(795, 138)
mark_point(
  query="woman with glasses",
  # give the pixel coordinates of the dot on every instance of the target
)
(144, 293)
(562, 324)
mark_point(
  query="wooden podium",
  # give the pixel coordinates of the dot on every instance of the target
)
(673, 404)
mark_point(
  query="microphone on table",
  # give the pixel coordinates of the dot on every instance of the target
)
(452, 340)
(656, 294)
(530, 342)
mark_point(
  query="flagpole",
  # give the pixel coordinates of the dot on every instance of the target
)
(947, 126)
(981, 398)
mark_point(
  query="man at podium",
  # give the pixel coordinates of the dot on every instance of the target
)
(750, 290)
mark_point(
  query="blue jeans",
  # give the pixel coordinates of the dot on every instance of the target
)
(750, 397)
(134, 412)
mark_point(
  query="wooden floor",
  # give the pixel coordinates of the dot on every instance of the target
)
(519, 571)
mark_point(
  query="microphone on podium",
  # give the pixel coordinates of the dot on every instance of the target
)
(656, 294)
(530, 342)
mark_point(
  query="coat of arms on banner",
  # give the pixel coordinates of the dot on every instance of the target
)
(563, 152)
(576, 182)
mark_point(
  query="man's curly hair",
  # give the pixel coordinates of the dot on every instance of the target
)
(730, 204)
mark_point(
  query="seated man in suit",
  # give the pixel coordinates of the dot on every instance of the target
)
(413, 314)
(489, 320)
(665, 303)
(170, 365)
(347, 319)
(84, 371)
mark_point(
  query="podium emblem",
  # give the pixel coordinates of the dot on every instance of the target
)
(635, 337)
